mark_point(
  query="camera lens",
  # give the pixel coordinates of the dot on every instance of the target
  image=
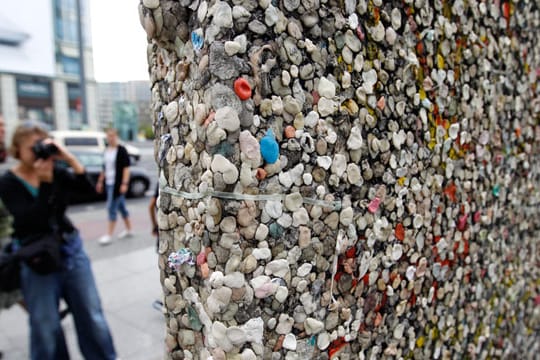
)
(44, 151)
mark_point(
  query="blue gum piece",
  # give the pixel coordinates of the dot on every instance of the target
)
(197, 40)
(269, 147)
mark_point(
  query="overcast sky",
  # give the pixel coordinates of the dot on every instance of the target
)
(118, 40)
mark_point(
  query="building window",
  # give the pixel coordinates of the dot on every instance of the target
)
(66, 29)
(75, 107)
(70, 5)
(70, 65)
(66, 20)
(66, 6)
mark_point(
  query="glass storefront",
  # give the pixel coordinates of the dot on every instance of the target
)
(34, 97)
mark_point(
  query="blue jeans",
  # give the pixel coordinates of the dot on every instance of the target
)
(75, 284)
(115, 204)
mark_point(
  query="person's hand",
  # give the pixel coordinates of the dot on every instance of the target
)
(64, 155)
(99, 186)
(123, 188)
(44, 169)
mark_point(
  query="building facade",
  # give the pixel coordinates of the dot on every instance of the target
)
(124, 105)
(40, 64)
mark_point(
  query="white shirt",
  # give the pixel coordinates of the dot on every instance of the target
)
(110, 165)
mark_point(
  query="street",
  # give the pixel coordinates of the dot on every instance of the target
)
(91, 220)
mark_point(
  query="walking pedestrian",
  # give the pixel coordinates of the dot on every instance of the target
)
(34, 193)
(114, 179)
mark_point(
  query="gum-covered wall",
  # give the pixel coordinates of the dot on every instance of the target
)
(347, 179)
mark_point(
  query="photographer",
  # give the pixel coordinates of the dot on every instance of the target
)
(34, 191)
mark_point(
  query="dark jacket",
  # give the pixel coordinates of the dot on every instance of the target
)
(31, 215)
(122, 162)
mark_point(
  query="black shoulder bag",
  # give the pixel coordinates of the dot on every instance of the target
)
(42, 252)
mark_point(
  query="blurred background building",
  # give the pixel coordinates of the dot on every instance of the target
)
(40, 66)
(40, 72)
(126, 106)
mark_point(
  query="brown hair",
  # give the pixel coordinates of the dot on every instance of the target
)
(22, 131)
(111, 130)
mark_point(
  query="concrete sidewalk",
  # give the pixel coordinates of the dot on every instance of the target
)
(128, 285)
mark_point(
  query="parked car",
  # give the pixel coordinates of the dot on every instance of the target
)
(90, 140)
(139, 180)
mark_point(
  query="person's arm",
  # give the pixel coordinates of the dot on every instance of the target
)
(65, 155)
(153, 218)
(124, 186)
(79, 182)
(100, 181)
(152, 208)
(123, 159)
(72, 161)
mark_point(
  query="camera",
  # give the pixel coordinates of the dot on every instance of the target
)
(44, 151)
